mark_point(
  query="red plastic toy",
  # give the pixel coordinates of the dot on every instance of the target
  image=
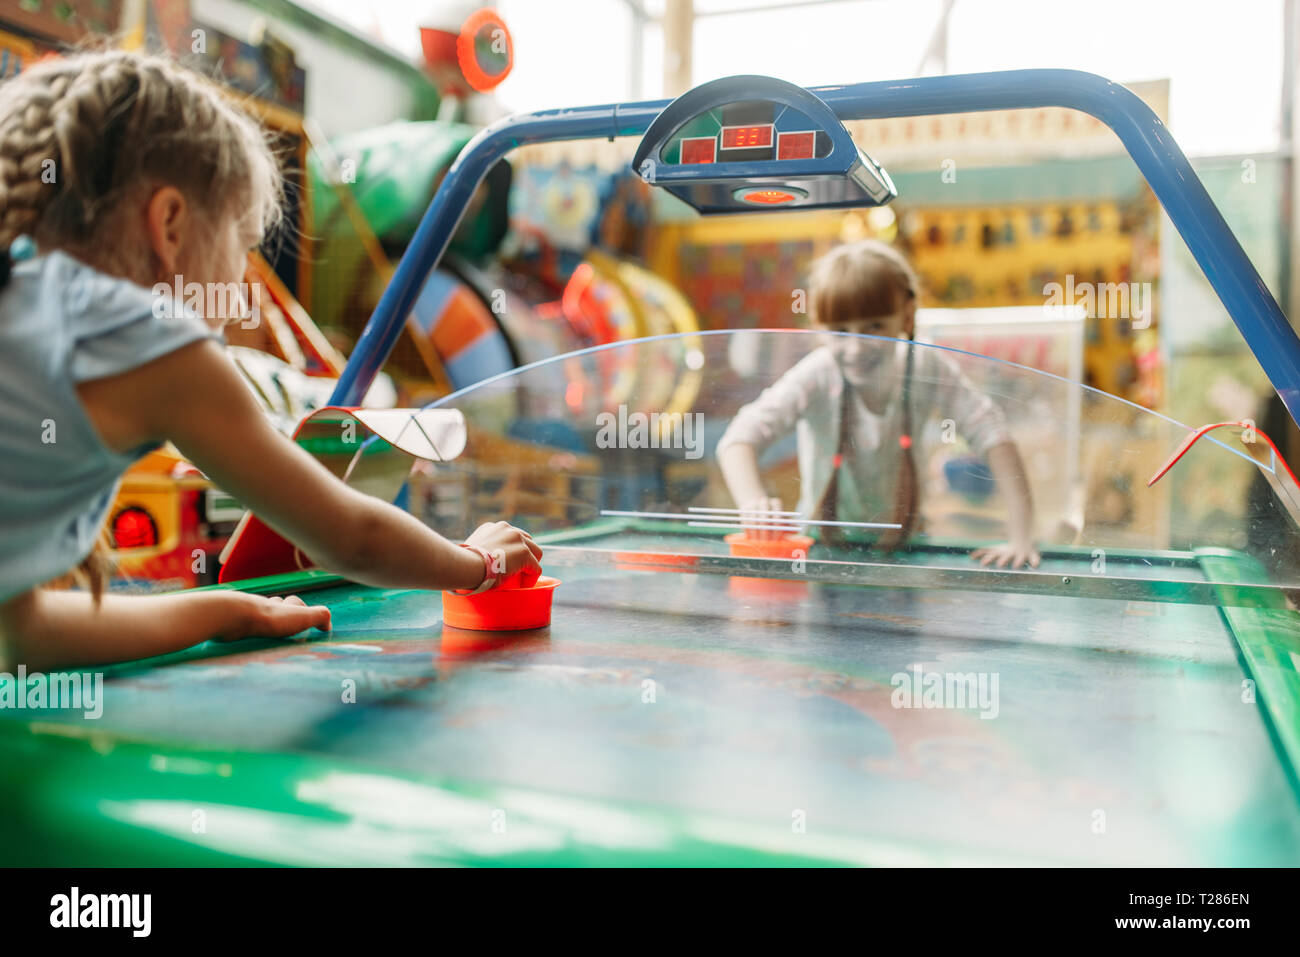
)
(743, 546)
(790, 547)
(504, 608)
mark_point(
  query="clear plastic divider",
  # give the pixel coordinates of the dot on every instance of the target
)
(577, 450)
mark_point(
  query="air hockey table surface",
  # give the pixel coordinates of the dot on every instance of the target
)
(668, 717)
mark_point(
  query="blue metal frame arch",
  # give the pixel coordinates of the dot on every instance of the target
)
(1177, 187)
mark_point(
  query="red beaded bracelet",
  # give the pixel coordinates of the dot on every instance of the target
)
(489, 573)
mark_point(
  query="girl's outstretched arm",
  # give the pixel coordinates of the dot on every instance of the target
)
(196, 398)
(756, 426)
(47, 630)
(1009, 474)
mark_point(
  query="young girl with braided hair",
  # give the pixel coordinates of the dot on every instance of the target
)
(855, 403)
(123, 171)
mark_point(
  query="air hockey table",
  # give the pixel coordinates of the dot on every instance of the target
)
(1133, 700)
(671, 717)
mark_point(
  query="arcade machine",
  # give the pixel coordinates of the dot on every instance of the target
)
(694, 699)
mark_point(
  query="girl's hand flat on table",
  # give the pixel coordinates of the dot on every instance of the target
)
(1008, 555)
(277, 617)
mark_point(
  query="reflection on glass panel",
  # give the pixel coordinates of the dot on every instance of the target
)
(893, 459)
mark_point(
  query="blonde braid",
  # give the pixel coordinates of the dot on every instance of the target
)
(80, 134)
(28, 150)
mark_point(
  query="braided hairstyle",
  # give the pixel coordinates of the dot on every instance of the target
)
(83, 136)
(862, 280)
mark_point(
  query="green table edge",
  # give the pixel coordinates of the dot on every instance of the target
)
(1267, 640)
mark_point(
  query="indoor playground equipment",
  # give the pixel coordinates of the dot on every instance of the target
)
(480, 314)
(477, 316)
(901, 707)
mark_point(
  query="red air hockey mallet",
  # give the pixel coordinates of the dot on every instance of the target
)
(518, 603)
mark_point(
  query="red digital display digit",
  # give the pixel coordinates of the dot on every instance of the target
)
(796, 146)
(699, 149)
(746, 137)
